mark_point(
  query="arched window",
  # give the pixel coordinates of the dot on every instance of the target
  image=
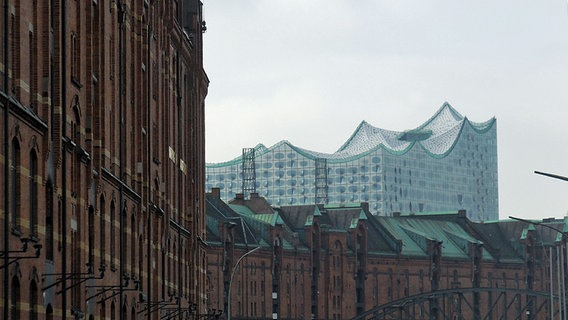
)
(15, 49)
(15, 185)
(156, 192)
(140, 258)
(112, 233)
(59, 224)
(123, 312)
(75, 57)
(33, 67)
(102, 230)
(15, 300)
(49, 220)
(33, 301)
(49, 312)
(112, 311)
(102, 313)
(132, 243)
(76, 165)
(91, 237)
(171, 266)
(33, 194)
(76, 124)
(163, 273)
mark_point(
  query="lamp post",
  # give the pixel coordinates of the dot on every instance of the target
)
(231, 280)
(564, 234)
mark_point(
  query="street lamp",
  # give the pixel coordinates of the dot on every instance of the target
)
(536, 223)
(555, 176)
(564, 235)
(231, 280)
(562, 297)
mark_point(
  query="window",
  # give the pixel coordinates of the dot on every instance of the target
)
(32, 72)
(75, 125)
(112, 234)
(33, 194)
(15, 301)
(2, 39)
(76, 165)
(103, 310)
(49, 220)
(112, 311)
(140, 260)
(91, 237)
(75, 58)
(132, 243)
(59, 224)
(33, 301)
(155, 142)
(163, 273)
(14, 39)
(102, 230)
(15, 185)
(49, 312)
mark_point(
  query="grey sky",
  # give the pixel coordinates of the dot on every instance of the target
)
(309, 71)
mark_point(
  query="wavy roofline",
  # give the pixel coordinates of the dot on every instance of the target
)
(477, 127)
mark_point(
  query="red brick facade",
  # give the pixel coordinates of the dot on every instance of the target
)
(102, 160)
(326, 262)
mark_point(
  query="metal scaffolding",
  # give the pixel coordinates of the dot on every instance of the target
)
(321, 181)
(249, 171)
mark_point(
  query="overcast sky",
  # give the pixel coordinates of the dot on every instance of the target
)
(309, 71)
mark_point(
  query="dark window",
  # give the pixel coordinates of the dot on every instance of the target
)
(112, 311)
(132, 243)
(33, 194)
(49, 221)
(15, 301)
(75, 57)
(32, 71)
(33, 301)
(15, 184)
(112, 233)
(91, 238)
(14, 39)
(102, 230)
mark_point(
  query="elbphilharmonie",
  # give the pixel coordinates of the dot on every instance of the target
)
(446, 163)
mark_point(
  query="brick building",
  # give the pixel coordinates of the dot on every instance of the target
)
(102, 159)
(341, 262)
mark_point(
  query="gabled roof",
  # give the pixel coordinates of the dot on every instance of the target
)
(298, 217)
(407, 235)
(345, 218)
(218, 212)
(414, 233)
(256, 203)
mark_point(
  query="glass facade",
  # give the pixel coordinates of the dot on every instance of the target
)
(448, 163)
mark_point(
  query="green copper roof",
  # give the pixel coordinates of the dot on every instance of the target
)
(317, 212)
(414, 232)
(243, 210)
(309, 220)
(272, 219)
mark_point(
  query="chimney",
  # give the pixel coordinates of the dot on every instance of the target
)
(239, 196)
(216, 192)
(365, 206)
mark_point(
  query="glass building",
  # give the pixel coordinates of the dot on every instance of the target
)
(447, 163)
